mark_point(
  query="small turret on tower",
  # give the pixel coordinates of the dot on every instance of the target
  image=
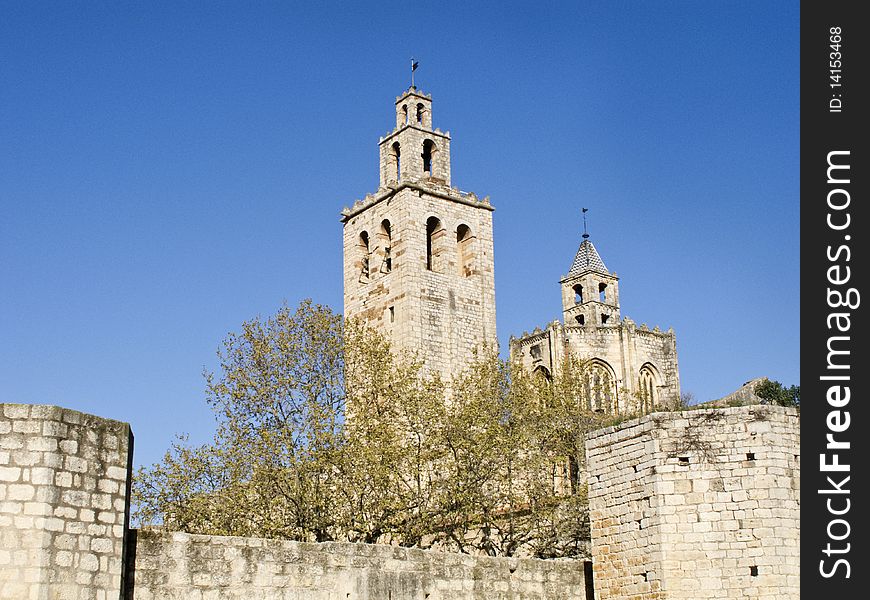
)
(414, 108)
(590, 293)
(413, 151)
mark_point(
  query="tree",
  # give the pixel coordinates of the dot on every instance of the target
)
(563, 415)
(687, 399)
(774, 392)
(393, 414)
(279, 401)
(325, 433)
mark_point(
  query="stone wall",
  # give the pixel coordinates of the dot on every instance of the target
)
(695, 505)
(432, 296)
(623, 346)
(178, 566)
(63, 503)
(444, 313)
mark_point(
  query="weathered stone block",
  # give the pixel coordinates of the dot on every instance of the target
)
(713, 517)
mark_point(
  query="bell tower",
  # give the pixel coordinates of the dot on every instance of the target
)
(418, 253)
(590, 293)
(413, 150)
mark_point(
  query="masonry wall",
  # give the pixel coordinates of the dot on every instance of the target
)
(625, 348)
(696, 505)
(63, 503)
(438, 304)
(178, 566)
(443, 314)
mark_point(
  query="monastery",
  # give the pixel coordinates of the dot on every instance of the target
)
(419, 266)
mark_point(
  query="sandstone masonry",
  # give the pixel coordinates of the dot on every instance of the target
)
(698, 504)
(178, 566)
(631, 370)
(418, 253)
(64, 480)
(693, 505)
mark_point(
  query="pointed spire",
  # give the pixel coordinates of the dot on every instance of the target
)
(587, 259)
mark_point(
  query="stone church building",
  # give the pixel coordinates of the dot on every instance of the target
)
(631, 369)
(698, 505)
(418, 266)
(418, 261)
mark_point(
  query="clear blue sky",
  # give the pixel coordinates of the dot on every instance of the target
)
(169, 170)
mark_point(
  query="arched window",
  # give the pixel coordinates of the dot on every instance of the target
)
(578, 293)
(581, 319)
(387, 243)
(405, 114)
(543, 379)
(647, 389)
(428, 156)
(465, 250)
(420, 109)
(364, 256)
(543, 372)
(600, 387)
(434, 233)
(395, 166)
(602, 296)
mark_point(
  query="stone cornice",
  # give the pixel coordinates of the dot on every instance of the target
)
(432, 189)
(434, 132)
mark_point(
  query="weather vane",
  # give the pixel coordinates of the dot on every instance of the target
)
(414, 65)
(585, 232)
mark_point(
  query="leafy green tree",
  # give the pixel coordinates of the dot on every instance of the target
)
(279, 400)
(774, 392)
(325, 433)
(393, 413)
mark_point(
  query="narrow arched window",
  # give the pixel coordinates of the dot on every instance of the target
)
(387, 242)
(600, 388)
(434, 232)
(428, 154)
(578, 293)
(647, 388)
(396, 159)
(364, 256)
(465, 250)
(405, 113)
(420, 109)
(602, 295)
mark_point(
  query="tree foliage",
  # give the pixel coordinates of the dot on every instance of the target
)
(325, 434)
(774, 392)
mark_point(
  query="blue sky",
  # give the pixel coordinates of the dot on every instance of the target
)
(169, 170)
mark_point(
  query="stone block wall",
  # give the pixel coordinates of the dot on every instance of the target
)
(623, 346)
(179, 566)
(63, 503)
(695, 505)
(445, 313)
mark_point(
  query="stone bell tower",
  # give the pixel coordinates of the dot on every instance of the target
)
(418, 254)
(590, 293)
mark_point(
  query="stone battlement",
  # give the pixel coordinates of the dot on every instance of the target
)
(691, 505)
(432, 188)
